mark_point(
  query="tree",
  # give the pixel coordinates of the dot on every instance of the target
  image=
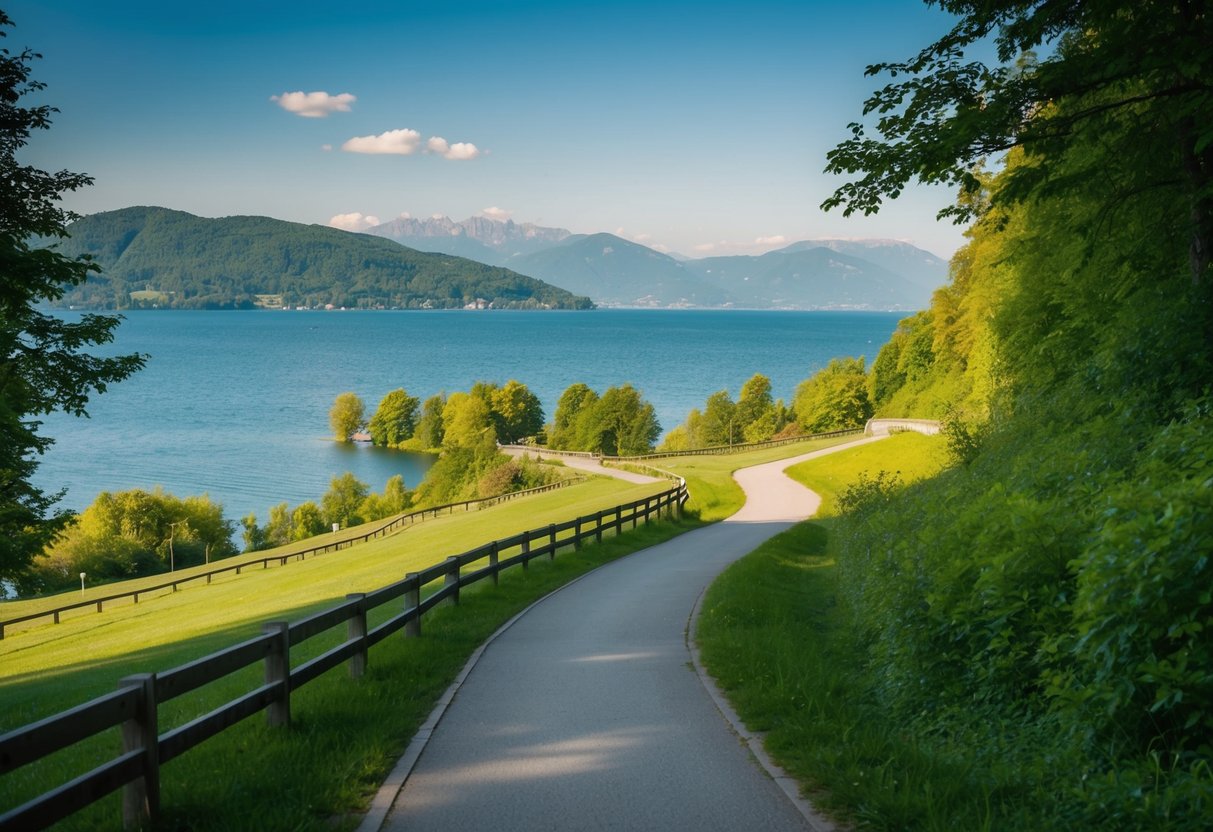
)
(253, 535)
(620, 423)
(1123, 95)
(429, 431)
(307, 521)
(395, 419)
(44, 366)
(279, 530)
(341, 503)
(466, 420)
(836, 398)
(755, 409)
(720, 423)
(517, 411)
(573, 401)
(347, 416)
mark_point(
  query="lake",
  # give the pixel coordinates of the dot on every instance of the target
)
(235, 404)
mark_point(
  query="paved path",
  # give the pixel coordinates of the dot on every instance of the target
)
(581, 463)
(585, 714)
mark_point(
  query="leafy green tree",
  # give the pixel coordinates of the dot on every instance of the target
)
(126, 534)
(620, 423)
(253, 535)
(44, 363)
(395, 419)
(429, 431)
(466, 420)
(394, 500)
(836, 398)
(755, 409)
(307, 521)
(1123, 96)
(279, 529)
(572, 403)
(347, 416)
(341, 503)
(721, 425)
(517, 411)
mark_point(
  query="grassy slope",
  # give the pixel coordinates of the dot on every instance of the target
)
(772, 634)
(714, 493)
(340, 745)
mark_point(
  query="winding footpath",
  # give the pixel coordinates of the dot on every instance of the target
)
(586, 711)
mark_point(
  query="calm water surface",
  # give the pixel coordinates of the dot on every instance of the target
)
(236, 404)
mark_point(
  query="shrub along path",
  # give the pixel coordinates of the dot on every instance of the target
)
(585, 712)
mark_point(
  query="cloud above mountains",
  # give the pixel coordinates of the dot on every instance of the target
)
(314, 104)
(354, 221)
(406, 142)
(402, 142)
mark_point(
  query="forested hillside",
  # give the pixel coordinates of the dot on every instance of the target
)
(154, 257)
(1047, 604)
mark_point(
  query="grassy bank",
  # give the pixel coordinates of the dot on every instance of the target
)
(776, 638)
(714, 493)
(345, 735)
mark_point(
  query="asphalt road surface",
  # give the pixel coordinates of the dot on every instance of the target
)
(586, 714)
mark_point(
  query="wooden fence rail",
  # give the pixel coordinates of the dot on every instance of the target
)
(715, 450)
(395, 524)
(134, 705)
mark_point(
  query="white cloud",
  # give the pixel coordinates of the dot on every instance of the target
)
(457, 152)
(405, 215)
(398, 142)
(326, 147)
(776, 240)
(664, 249)
(495, 213)
(354, 221)
(314, 104)
(706, 247)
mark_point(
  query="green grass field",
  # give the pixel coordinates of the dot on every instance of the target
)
(714, 493)
(346, 734)
(775, 638)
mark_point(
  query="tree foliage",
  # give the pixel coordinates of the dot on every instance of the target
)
(1050, 596)
(395, 420)
(44, 363)
(128, 534)
(835, 398)
(347, 416)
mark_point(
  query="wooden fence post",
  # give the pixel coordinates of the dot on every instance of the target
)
(526, 552)
(278, 669)
(141, 796)
(412, 600)
(598, 528)
(577, 536)
(493, 557)
(355, 628)
(452, 578)
(552, 541)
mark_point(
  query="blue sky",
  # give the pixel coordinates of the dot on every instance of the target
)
(700, 128)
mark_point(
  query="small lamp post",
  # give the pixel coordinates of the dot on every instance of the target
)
(82, 583)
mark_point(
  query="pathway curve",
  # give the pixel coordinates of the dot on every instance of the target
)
(585, 713)
(581, 463)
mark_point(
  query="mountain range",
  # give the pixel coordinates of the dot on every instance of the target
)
(612, 271)
(163, 258)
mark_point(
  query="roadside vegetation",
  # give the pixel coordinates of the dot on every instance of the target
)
(346, 734)
(1022, 641)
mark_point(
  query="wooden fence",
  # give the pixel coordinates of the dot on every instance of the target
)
(715, 450)
(133, 707)
(390, 527)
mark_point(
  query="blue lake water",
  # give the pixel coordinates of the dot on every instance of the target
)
(235, 404)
